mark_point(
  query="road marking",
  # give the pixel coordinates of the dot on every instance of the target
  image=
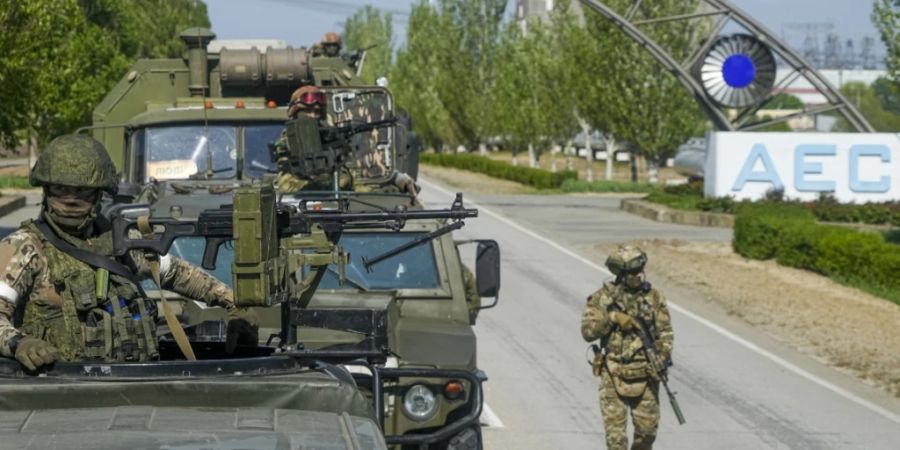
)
(489, 418)
(747, 344)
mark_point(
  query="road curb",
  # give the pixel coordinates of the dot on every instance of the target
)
(11, 203)
(662, 213)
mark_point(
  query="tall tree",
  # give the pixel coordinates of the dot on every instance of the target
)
(633, 96)
(448, 64)
(371, 29)
(59, 57)
(867, 101)
(886, 17)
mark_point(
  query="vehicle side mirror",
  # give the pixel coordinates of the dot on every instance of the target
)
(487, 270)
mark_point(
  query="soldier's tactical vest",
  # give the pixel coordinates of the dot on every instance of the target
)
(625, 361)
(101, 316)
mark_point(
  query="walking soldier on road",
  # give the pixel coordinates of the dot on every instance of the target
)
(62, 294)
(627, 315)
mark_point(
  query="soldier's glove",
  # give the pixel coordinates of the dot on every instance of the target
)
(624, 321)
(242, 329)
(33, 353)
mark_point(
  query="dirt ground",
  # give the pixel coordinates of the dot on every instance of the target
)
(844, 327)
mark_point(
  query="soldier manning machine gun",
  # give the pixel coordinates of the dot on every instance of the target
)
(314, 149)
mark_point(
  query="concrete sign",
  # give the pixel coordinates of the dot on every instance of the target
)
(854, 167)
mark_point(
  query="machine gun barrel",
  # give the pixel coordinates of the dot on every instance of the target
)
(217, 225)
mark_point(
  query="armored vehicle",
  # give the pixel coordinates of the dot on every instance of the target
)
(182, 144)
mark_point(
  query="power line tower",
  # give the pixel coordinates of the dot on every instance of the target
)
(832, 58)
(850, 57)
(811, 32)
(867, 56)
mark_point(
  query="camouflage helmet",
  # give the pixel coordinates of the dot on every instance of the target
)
(626, 258)
(306, 98)
(75, 160)
(331, 38)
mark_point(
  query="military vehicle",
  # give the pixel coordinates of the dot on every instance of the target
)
(332, 379)
(212, 115)
(182, 152)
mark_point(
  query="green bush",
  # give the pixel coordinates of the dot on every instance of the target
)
(539, 178)
(572, 185)
(789, 234)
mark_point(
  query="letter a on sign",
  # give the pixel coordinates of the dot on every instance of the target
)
(768, 174)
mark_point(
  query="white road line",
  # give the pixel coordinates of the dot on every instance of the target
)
(489, 418)
(747, 344)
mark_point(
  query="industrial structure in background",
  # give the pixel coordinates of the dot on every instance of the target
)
(838, 60)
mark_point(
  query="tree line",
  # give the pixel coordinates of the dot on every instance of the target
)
(469, 75)
(59, 57)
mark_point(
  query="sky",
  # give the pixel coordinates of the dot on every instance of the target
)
(302, 22)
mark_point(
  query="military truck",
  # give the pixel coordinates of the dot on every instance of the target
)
(212, 115)
(182, 138)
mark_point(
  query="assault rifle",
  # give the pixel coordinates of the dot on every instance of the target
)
(659, 366)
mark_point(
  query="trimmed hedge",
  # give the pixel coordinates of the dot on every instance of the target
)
(826, 208)
(789, 234)
(539, 178)
(572, 185)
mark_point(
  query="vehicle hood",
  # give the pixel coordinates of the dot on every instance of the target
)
(147, 427)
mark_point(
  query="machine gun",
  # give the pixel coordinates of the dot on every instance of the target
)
(272, 241)
(314, 149)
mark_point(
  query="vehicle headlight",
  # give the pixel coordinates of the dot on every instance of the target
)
(419, 403)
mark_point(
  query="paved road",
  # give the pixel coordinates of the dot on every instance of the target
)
(738, 388)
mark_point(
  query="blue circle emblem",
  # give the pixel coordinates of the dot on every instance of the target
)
(738, 71)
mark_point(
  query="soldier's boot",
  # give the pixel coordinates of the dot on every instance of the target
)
(643, 441)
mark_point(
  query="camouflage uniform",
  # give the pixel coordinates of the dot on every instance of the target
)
(58, 306)
(53, 296)
(627, 381)
(473, 300)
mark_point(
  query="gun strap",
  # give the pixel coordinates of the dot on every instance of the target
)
(89, 257)
(174, 325)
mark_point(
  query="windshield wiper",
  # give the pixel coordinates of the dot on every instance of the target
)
(355, 283)
(369, 262)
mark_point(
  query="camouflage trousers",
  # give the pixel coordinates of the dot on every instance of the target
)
(644, 415)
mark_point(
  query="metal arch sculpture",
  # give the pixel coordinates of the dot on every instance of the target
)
(712, 106)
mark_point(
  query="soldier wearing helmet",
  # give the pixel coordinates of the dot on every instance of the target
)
(329, 46)
(62, 294)
(614, 315)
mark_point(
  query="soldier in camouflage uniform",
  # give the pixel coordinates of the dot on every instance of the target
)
(56, 302)
(310, 100)
(329, 46)
(613, 315)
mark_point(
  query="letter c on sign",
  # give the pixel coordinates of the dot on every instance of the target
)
(858, 151)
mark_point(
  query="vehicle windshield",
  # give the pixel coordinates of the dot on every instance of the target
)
(412, 269)
(175, 152)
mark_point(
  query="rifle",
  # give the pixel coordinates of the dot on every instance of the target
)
(658, 366)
